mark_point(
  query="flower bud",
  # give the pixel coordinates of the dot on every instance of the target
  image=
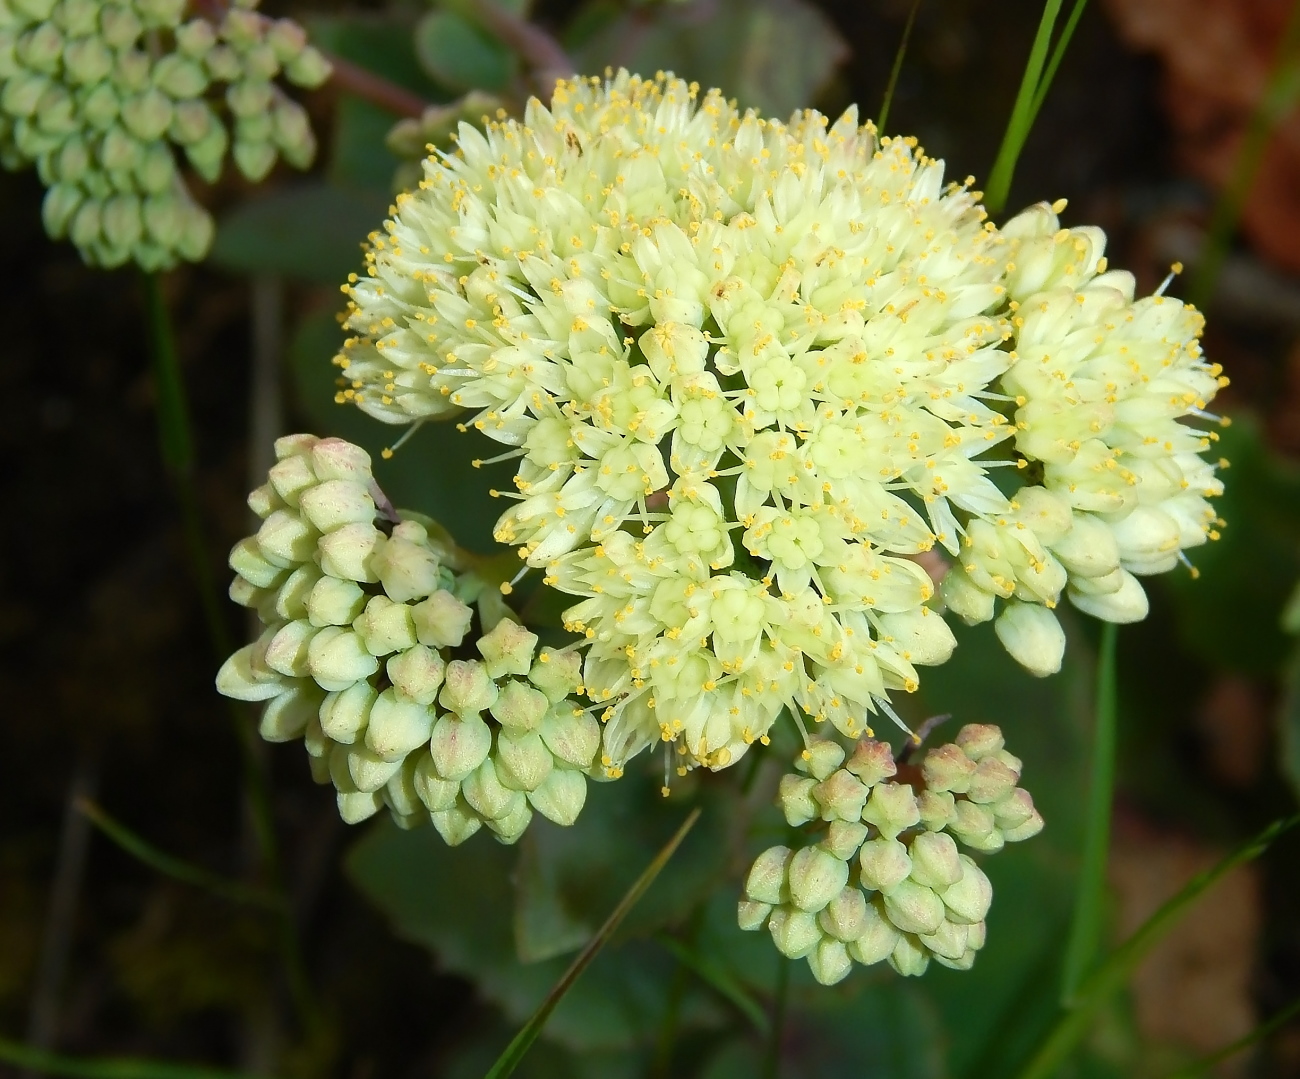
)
(751, 915)
(872, 761)
(948, 941)
(484, 791)
(253, 159)
(407, 570)
(913, 907)
(192, 121)
(317, 743)
(120, 219)
(87, 61)
(338, 657)
(878, 937)
(508, 649)
(794, 932)
(343, 715)
(556, 673)
(260, 62)
(795, 798)
(843, 838)
(180, 77)
(820, 759)
(292, 132)
(766, 882)
(195, 38)
(1027, 829)
(84, 229)
(829, 962)
(1088, 549)
(397, 726)
(992, 782)
(845, 916)
(358, 806)
(523, 761)
(286, 717)
(947, 768)
(1044, 512)
(841, 796)
(441, 621)
(147, 115)
(969, 899)
(519, 707)
(459, 745)
(467, 689)
(456, 824)
(885, 862)
(974, 826)
(345, 553)
(308, 69)
(386, 626)
(288, 651)
(223, 63)
(509, 827)
(57, 208)
(247, 594)
(967, 600)
(815, 877)
(935, 861)
(1126, 604)
(1013, 810)
(400, 795)
(560, 796)
(435, 793)
(334, 503)
(156, 172)
(335, 602)
(287, 38)
(290, 476)
(206, 153)
(245, 677)
(286, 540)
(368, 770)
(910, 957)
(1033, 637)
(417, 673)
(292, 597)
(892, 808)
(921, 635)
(1099, 586)
(572, 734)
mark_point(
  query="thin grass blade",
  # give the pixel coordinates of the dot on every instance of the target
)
(1090, 897)
(47, 1063)
(1200, 1067)
(719, 980)
(1115, 971)
(1058, 54)
(514, 1052)
(883, 117)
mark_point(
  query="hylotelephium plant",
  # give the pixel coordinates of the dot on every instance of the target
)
(763, 382)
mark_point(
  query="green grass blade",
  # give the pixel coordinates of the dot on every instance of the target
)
(1115, 971)
(46, 1063)
(717, 979)
(514, 1052)
(1200, 1067)
(1281, 93)
(1022, 112)
(883, 118)
(772, 1061)
(175, 868)
(1090, 897)
(1058, 54)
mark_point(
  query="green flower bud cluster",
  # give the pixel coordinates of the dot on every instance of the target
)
(373, 656)
(886, 880)
(97, 93)
(412, 139)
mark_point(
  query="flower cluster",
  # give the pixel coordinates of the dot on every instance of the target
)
(96, 93)
(371, 655)
(886, 879)
(749, 370)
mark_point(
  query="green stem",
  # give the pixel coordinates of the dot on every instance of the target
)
(1277, 1022)
(519, 1045)
(898, 67)
(1090, 900)
(39, 1060)
(1022, 112)
(1280, 95)
(1058, 54)
(772, 1063)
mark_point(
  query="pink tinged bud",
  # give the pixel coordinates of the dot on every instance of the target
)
(459, 745)
(845, 916)
(910, 957)
(820, 759)
(291, 599)
(345, 552)
(794, 932)
(290, 477)
(397, 726)
(937, 809)
(456, 824)
(841, 796)
(751, 915)
(815, 878)
(843, 838)
(400, 795)
(936, 862)
(913, 907)
(484, 791)
(468, 689)
(992, 782)
(557, 674)
(247, 560)
(974, 826)
(948, 942)
(520, 707)
(407, 570)
(1013, 810)
(263, 501)
(441, 621)
(523, 761)
(885, 863)
(508, 649)
(892, 808)
(358, 806)
(245, 677)
(435, 793)
(335, 602)
(980, 740)
(830, 962)
(947, 768)
(878, 937)
(872, 761)
(560, 796)
(417, 673)
(510, 827)
(572, 735)
(369, 771)
(288, 651)
(1026, 830)
(286, 717)
(338, 657)
(795, 798)
(337, 459)
(386, 626)
(343, 716)
(766, 882)
(969, 899)
(334, 503)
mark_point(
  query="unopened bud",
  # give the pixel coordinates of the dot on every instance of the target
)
(487, 794)
(508, 649)
(87, 61)
(357, 806)
(368, 770)
(1013, 810)
(974, 826)
(794, 932)
(913, 907)
(441, 621)
(1088, 549)
(195, 37)
(970, 898)
(397, 726)
(820, 759)
(572, 734)
(308, 69)
(815, 877)
(147, 115)
(910, 957)
(386, 626)
(885, 862)
(523, 761)
(346, 552)
(1027, 829)
(253, 159)
(872, 761)
(285, 539)
(992, 782)
(459, 745)
(967, 600)
(287, 38)
(338, 657)
(751, 915)
(335, 503)
(156, 171)
(1032, 636)
(287, 653)
(343, 715)
(206, 153)
(560, 796)
(435, 793)
(245, 677)
(57, 208)
(519, 707)
(766, 882)
(947, 768)
(456, 824)
(400, 795)
(878, 936)
(286, 717)
(1126, 604)
(291, 476)
(948, 941)
(845, 916)
(335, 602)
(509, 827)
(468, 689)
(841, 796)
(292, 133)
(119, 26)
(417, 673)
(829, 962)
(892, 808)
(795, 798)
(555, 673)
(936, 862)
(191, 122)
(980, 740)
(843, 838)
(407, 570)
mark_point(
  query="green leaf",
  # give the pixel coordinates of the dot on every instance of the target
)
(46, 1063)
(1288, 718)
(772, 55)
(460, 55)
(309, 232)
